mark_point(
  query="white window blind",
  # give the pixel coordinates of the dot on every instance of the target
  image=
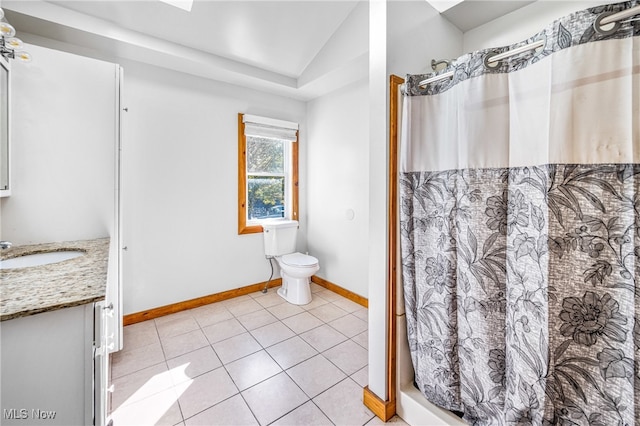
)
(263, 127)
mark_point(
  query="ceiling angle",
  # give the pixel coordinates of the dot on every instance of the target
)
(181, 4)
(443, 5)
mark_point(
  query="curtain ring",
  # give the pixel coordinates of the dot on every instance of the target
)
(614, 26)
(487, 58)
(537, 46)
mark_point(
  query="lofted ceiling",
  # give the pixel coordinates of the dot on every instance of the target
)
(472, 13)
(277, 36)
(296, 48)
(264, 44)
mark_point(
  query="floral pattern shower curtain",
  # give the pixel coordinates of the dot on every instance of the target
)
(520, 229)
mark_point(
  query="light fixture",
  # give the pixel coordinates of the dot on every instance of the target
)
(13, 43)
(6, 30)
(10, 46)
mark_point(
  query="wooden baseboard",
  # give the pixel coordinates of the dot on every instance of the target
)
(195, 303)
(384, 410)
(229, 294)
(363, 301)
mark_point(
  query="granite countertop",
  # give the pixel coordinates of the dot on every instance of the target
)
(73, 282)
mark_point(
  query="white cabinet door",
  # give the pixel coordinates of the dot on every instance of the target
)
(47, 368)
(115, 276)
(100, 363)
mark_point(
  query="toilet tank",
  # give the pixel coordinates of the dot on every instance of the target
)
(279, 237)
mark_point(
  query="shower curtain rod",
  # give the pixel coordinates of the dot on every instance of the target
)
(535, 45)
(621, 15)
(489, 60)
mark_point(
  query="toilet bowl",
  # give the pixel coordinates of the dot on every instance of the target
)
(296, 270)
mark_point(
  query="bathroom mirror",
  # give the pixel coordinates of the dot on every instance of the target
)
(4, 128)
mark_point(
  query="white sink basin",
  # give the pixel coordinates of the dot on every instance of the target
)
(38, 259)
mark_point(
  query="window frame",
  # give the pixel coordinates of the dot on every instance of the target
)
(252, 227)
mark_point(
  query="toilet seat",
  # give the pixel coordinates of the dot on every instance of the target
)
(299, 260)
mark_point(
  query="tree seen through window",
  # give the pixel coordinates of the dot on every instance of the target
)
(265, 177)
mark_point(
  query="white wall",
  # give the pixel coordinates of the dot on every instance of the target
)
(523, 23)
(344, 58)
(338, 136)
(62, 149)
(377, 157)
(416, 34)
(180, 186)
(338, 158)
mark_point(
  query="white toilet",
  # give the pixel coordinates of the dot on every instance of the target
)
(295, 268)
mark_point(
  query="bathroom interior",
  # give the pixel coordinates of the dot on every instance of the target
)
(124, 131)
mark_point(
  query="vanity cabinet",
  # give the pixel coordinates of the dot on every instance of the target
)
(54, 368)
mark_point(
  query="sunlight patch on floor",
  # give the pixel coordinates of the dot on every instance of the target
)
(153, 400)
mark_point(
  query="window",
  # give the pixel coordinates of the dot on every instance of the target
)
(267, 171)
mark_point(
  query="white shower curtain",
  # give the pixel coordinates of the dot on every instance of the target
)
(520, 228)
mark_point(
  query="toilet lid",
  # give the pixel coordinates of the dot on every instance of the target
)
(299, 259)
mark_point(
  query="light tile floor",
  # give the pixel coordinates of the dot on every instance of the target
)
(252, 360)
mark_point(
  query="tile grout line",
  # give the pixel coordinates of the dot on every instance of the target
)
(282, 370)
(200, 327)
(327, 390)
